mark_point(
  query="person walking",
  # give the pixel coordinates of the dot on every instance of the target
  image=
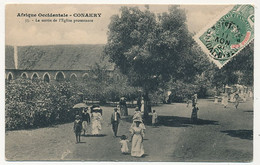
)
(154, 118)
(139, 104)
(194, 114)
(137, 138)
(123, 107)
(115, 118)
(96, 122)
(138, 116)
(236, 97)
(77, 128)
(85, 120)
(225, 100)
(142, 105)
(194, 100)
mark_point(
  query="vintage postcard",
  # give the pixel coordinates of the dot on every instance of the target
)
(129, 82)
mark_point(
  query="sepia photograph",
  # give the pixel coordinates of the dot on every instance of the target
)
(129, 82)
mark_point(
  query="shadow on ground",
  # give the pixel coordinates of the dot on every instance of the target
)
(174, 121)
(242, 134)
(90, 135)
(249, 111)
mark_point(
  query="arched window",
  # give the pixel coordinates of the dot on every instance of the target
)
(10, 76)
(117, 77)
(24, 75)
(46, 77)
(60, 76)
(73, 77)
(85, 77)
(35, 76)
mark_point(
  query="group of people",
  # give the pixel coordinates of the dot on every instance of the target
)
(137, 128)
(235, 98)
(83, 122)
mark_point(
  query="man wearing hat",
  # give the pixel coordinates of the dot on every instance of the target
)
(85, 120)
(77, 128)
(115, 118)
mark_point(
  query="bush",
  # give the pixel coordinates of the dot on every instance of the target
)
(37, 104)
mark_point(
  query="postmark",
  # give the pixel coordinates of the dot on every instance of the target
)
(229, 35)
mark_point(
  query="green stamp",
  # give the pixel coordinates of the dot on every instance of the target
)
(229, 35)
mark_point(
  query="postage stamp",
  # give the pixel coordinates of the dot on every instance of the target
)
(229, 35)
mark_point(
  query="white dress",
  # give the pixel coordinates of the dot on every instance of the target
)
(225, 101)
(124, 147)
(96, 123)
(142, 106)
(137, 144)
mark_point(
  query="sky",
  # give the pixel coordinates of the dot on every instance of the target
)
(20, 33)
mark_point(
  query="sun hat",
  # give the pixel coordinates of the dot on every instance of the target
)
(77, 117)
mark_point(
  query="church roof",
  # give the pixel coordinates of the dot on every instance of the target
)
(57, 57)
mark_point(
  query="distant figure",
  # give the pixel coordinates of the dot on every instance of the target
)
(139, 104)
(225, 100)
(77, 128)
(96, 122)
(216, 99)
(232, 99)
(123, 107)
(236, 97)
(194, 100)
(250, 93)
(154, 118)
(194, 114)
(244, 97)
(137, 138)
(142, 105)
(85, 120)
(124, 146)
(115, 118)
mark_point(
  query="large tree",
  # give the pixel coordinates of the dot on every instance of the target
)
(238, 71)
(151, 49)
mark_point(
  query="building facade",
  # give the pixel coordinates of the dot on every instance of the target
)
(55, 63)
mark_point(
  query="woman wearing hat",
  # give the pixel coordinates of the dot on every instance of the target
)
(96, 122)
(138, 116)
(137, 139)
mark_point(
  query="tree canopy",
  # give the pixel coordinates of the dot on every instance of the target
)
(152, 49)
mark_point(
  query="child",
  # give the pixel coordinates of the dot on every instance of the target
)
(154, 118)
(123, 142)
(77, 128)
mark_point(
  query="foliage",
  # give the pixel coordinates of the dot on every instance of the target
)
(150, 50)
(238, 71)
(36, 104)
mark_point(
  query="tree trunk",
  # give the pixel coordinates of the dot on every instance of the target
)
(146, 105)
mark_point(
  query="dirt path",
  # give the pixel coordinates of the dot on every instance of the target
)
(221, 135)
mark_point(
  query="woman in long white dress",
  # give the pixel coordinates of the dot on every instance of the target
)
(137, 138)
(142, 105)
(96, 123)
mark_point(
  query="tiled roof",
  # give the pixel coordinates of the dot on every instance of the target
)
(57, 57)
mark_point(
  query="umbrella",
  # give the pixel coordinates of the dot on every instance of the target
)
(80, 105)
